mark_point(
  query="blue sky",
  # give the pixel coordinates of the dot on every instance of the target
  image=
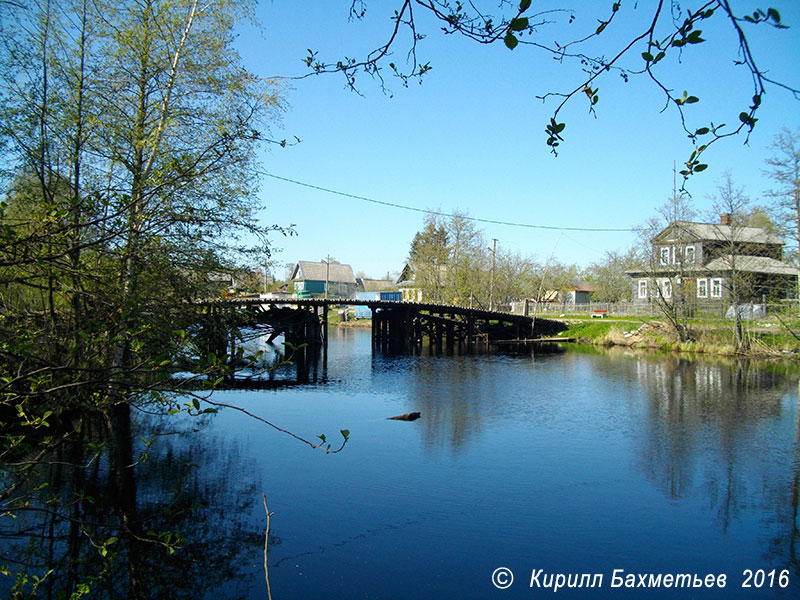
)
(471, 137)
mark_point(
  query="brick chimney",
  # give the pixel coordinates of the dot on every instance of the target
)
(725, 219)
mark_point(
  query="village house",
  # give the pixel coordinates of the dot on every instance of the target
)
(699, 262)
(407, 284)
(314, 279)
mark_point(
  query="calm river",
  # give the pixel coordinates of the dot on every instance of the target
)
(578, 463)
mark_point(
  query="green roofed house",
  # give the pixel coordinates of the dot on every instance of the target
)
(311, 279)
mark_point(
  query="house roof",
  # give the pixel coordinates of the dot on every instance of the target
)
(320, 271)
(377, 285)
(681, 230)
(752, 264)
(582, 287)
(739, 262)
(407, 276)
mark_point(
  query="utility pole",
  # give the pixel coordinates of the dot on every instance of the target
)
(491, 276)
(327, 273)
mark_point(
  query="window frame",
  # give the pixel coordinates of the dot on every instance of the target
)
(664, 255)
(702, 287)
(716, 287)
(642, 289)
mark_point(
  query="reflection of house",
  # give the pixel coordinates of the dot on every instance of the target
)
(310, 279)
(701, 260)
(406, 283)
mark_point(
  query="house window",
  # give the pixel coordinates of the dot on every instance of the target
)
(664, 255)
(716, 288)
(643, 288)
(702, 288)
(689, 255)
(666, 289)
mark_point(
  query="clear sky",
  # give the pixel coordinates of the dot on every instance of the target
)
(471, 137)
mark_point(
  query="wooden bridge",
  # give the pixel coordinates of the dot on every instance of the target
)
(397, 327)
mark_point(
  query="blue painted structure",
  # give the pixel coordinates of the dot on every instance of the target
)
(364, 312)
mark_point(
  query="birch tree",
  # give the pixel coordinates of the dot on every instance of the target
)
(129, 131)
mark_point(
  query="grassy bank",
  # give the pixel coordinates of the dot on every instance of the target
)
(767, 337)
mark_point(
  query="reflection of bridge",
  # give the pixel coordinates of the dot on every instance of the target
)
(397, 327)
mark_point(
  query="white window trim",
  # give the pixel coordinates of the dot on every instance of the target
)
(716, 287)
(643, 288)
(702, 287)
(662, 259)
(666, 289)
(693, 255)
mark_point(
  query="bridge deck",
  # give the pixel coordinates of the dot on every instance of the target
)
(372, 304)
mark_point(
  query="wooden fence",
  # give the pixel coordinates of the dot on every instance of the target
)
(713, 310)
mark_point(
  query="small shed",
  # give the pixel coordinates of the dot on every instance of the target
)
(580, 293)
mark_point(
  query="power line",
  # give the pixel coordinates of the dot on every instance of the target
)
(443, 214)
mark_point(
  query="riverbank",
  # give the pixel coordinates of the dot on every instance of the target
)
(769, 338)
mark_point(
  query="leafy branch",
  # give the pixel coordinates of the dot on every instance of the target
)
(670, 31)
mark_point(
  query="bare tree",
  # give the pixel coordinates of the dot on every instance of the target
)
(663, 280)
(784, 168)
(731, 203)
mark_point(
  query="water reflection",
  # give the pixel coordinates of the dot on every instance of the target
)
(578, 462)
(127, 505)
(727, 432)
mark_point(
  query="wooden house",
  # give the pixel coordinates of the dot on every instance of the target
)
(699, 263)
(314, 279)
(407, 284)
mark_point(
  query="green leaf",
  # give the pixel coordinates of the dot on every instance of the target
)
(345, 433)
(774, 15)
(524, 5)
(519, 24)
(702, 131)
(700, 167)
(694, 37)
(510, 41)
(692, 99)
(600, 28)
(647, 56)
(744, 117)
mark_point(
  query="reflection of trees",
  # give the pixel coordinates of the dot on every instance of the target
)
(719, 429)
(454, 414)
(466, 391)
(129, 519)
